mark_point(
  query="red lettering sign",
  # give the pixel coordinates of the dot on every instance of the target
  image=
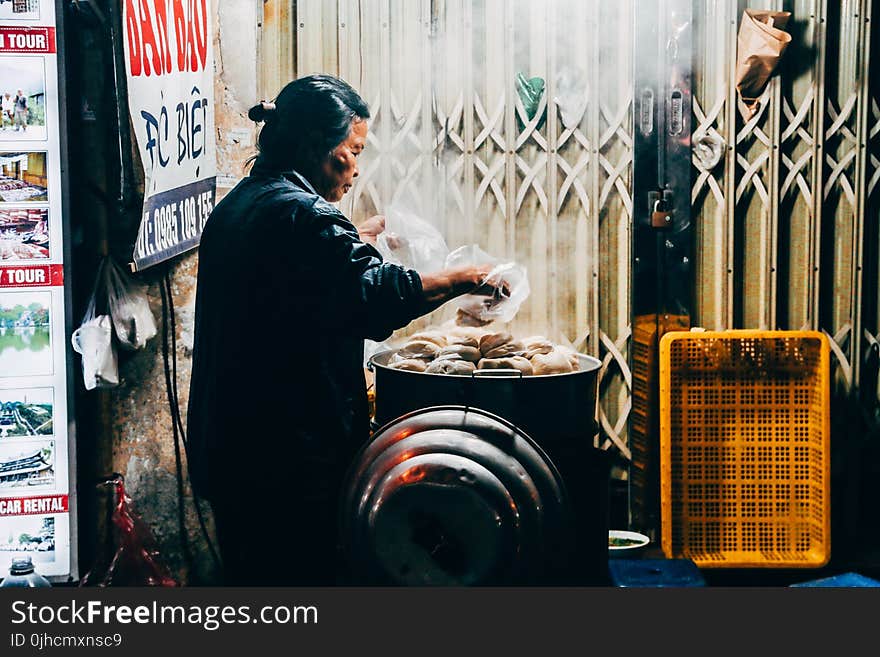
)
(148, 35)
(32, 276)
(27, 39)
(162, 34)
(180, 34)
(134, 39)
(34, 506)
(148, 39)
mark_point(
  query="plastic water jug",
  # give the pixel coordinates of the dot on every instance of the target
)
(22, 574)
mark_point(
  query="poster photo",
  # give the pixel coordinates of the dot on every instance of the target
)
(23, 177)
(32, 536)
(25, 347)
(19, 10)
(24, 234)
(26, 466)
(22, 98)
(26, 412)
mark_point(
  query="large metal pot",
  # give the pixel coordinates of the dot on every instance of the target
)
(455, 496)
(557, 411)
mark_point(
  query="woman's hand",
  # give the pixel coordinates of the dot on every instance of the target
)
(371, 228)
(440, 287)
(484, 285)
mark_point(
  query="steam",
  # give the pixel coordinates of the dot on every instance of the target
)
(444, 140)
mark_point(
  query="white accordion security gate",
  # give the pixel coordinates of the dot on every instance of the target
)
(786, 224)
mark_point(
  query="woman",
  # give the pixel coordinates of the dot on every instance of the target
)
(7, 107)
(21, 111)
(288, 289)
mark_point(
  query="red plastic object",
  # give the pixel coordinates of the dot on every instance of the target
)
(136, 560)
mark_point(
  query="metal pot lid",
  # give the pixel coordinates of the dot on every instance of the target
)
(453, 496)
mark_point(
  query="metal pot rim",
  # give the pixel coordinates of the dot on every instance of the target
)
(594, 365)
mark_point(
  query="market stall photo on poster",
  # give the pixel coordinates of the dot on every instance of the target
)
(23, 177)
(441, 293)
(25, 234)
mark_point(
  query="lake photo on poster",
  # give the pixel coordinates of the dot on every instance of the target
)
(24, 334)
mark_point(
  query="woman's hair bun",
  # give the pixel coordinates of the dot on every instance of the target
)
(262, 111)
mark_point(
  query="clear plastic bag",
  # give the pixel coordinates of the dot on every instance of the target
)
(478, 310)
(93, 340)
(129, 308)
(411, 241)
(571, 95)
(371, 348)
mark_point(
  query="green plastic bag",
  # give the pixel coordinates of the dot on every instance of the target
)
(530, 91)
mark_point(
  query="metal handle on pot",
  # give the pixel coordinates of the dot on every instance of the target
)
(501, 372)
(476, 374)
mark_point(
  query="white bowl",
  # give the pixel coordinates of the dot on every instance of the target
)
(625, 544)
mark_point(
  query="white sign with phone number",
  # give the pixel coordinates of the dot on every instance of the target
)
(170, 72)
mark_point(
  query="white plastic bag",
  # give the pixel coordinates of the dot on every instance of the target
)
(371, 348)
(708, 149)
(93, 340)
(129, 308)
(499, 307)
(571, 95)
(411, 241)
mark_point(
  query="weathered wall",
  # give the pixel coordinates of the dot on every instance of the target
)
(142, 438)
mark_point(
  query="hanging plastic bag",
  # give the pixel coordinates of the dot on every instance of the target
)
(411, 241)
(479, 310)
(133, 559)
(760, 44)
(129, 308)
(93, 340)
(571, 96)
(530, 91)
(708, 149)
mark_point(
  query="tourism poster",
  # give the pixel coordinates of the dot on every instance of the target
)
(36, 504)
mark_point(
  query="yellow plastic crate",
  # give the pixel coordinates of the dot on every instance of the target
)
(745, 448)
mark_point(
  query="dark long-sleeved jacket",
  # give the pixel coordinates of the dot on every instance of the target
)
(286, 294)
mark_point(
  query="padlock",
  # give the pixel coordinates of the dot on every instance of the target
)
(661, 217)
